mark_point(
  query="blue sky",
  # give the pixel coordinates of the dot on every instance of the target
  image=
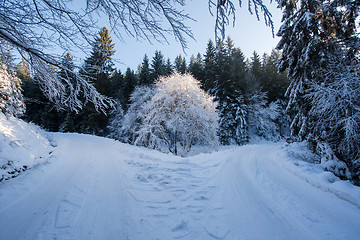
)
(249, 34)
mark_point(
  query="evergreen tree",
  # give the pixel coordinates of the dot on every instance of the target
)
(229, 66)
(168, 68)
(180, 64)
(255, 73)
(209, 81)
(196, 67)
(144, 73)
(23, 70)
(158, 66)
(99, 65)
(99, 69)
(237, 70)
(130, 82)
(117, 87)
(273, 82)
(313, 32)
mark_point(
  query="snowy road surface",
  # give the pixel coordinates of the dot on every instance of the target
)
(96, 188)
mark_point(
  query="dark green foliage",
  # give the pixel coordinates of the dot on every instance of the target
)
(273, 82)
(168, 68)
(158, 66)
(144, 73)
(196, 67)
(209, 80)
(180, 64)
(130, 82)
(98, 69)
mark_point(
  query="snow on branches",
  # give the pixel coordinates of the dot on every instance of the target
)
(179, 114)
(11, 100)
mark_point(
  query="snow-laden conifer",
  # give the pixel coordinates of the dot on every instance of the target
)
(335, 108)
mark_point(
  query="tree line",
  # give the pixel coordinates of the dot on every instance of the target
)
(249, 92)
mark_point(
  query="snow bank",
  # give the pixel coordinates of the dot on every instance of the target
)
(22, 145)
(311, 168)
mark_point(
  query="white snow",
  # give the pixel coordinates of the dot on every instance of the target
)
(96, 188)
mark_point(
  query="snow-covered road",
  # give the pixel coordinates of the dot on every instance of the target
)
(97, 188)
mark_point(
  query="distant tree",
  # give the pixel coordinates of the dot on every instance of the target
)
(255, 73)
(99, 69)
(209, 68)
(158, 65)
(115, 122)
(261, 116)
(144, 73)
(196, 67)
(273, 82)
(99, 66)
(168, 68)
(130, 82)
(117, 85)
(23, 70)
(179, 114)
(180, 64)
(238, 69)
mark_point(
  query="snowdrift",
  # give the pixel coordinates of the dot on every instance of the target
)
(22, 146)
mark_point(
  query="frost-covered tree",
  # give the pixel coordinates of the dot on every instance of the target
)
(335, 108)
(115, 122)
(11, 99)
(261, 117)
(135, 115)
(313, 32)
(180, 114)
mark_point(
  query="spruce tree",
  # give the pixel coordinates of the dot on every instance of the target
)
(144, 73)
(158, 67)
(130, 82)
(209, 82)
(99, 69)
(196, 67)
(273, 82)
(314, 32)
(99, 65)
(180, 64)
(168, 68)
(230, 68)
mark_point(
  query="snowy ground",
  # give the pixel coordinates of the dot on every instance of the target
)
(96, 188)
